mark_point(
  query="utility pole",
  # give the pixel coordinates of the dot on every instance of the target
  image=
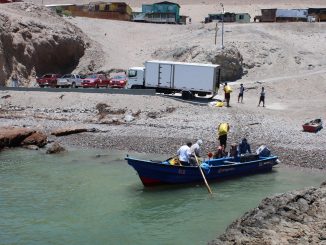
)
(222, 47)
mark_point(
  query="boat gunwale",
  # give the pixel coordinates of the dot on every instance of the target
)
(160, 163)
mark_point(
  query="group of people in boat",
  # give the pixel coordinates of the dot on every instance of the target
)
(189, 153)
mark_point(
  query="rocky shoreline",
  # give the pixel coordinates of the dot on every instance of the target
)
(296, 217)
(155, 124)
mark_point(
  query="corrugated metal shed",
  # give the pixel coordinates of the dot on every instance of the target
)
(292, 13)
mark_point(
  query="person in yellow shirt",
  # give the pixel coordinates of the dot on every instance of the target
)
(223, 129)
(227, 94)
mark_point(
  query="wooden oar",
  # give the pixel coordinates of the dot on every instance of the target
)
(202, 173)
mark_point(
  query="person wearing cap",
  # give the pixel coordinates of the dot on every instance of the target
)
(244, 147)
(195, 148)
(195, 151)
(240, 96)
(184, 154)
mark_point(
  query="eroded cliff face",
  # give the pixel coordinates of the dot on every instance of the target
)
(35, 40)
(297, 217)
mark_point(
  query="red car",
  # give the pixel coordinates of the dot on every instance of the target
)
(95, 81)
(118, 81)
(48, 80)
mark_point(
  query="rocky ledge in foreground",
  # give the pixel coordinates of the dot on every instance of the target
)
(297, 217)
(13, 137)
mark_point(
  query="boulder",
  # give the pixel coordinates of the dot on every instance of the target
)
(35, 40)
(230, 58)
(39, 139)
(296, 217)
(11, 137)
(55, 148)
(67, 131)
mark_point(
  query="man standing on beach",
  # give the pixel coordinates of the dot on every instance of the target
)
(241, 93)
(227, 94)
(262, 97)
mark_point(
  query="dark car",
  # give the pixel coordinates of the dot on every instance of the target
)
(118, 81)
(48, 80)
(95, 81)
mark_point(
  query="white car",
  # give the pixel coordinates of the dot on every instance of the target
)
(69, 80)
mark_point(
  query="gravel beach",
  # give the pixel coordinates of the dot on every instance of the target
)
(161, 124)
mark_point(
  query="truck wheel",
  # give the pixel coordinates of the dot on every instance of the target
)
(186, 95)
(136, 87)
(73, 85)
(42, 86)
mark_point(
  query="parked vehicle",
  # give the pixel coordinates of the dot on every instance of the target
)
(118, 81)
(172, 77)
(48, 80)
(95, 81)
(70, 80)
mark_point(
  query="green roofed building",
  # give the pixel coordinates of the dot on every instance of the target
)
(161, 12)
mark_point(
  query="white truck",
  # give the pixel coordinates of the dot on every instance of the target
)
(169, 77)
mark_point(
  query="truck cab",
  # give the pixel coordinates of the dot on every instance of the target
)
(136, 77)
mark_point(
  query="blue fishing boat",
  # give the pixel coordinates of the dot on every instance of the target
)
(155, 172)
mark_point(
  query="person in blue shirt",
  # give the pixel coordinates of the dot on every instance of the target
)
(244, 147)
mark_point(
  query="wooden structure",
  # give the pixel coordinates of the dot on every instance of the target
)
(318, 13)
(267, 15)
(101, 10)
(10, 1)
(161, 12)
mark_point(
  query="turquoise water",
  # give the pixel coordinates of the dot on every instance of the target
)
(94, 197)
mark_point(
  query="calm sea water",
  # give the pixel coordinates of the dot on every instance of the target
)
(94, 197)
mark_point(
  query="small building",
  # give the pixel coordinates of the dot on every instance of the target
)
(101, 10)
(291, 15)
(10, 1)
(242, 17)
(318, 13)
(228, 17)
(267, 15)
(161, 12)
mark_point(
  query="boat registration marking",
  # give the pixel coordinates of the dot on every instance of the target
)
(223, 170)
(264, 163)
(182, 171)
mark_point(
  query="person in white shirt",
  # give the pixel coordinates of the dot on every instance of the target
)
(184, 154)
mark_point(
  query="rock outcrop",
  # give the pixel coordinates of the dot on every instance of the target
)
(297, 217)
(67, 131)
(35, 40)
(230, 59)
(13, 137)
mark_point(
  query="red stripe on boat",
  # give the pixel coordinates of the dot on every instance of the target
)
(149, 181)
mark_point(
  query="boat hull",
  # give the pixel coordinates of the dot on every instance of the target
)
(313, 126)
(155, 173)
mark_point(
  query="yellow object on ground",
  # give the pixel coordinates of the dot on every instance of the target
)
(223, 129)
(219, 104)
